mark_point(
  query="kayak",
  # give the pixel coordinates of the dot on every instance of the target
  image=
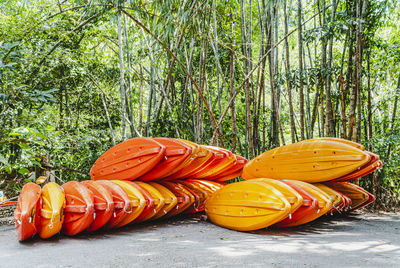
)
(103, 205)
(359, 197)
(195, 153)
(196, 199)
(247, 206)
(294, 198)
(368, 168)
(170, 200)
(176, 153)
(79, 209)
(202, 156)
(200, 192)
(158, 198)
(137, 200)
(184, 200)
(348, 142)
(52, 210)
(309, 161)
(149, 202)
(221, 160)
(324, 201)
(231, 172)
(335, 197)
(26, 214)
(306, 213)
(122, 203)
(128, 160)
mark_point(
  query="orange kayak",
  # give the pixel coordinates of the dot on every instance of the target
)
(231, 172)
(26, 214)
(103, 205)
(200, 159)
(79, 208)
(176, 153)
(221, 160)
(128, 160)
(122, 203)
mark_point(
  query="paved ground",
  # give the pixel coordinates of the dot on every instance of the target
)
(368, 240)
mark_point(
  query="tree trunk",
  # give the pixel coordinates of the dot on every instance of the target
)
(300, 44)
(121, 73)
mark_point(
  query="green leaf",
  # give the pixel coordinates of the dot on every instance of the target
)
(23, 171)
(24, 146)
(14, 134)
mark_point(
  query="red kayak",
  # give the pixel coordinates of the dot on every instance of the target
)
(128, 160)
(149, 207)
(103, 205)
(368, 168)
(371, 198)
(193, 208)
(304, 214)
(79, 208)
(26, 214)
(184, 199)
(122, 203)
(202, 193)
(176, 153)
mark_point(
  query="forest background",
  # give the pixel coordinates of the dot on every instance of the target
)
(77, 77)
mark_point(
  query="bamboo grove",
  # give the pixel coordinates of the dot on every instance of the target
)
(79, 76)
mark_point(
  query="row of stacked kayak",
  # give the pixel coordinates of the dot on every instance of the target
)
(305, 181)
(88, 206)
(259, 203)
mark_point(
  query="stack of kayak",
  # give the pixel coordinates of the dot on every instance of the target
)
(166, 159)
(138, 180)
(295, 184)
(88, 206)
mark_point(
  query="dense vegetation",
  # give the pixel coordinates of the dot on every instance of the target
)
(77, 77)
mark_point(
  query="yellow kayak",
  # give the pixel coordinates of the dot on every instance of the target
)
(159, 200)
(357, 195)
(310, 161)
(335, 197)
(294, 198)
(52, 211)
(170, 200)
(351, 143)
(137, 199)
(247, 206)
